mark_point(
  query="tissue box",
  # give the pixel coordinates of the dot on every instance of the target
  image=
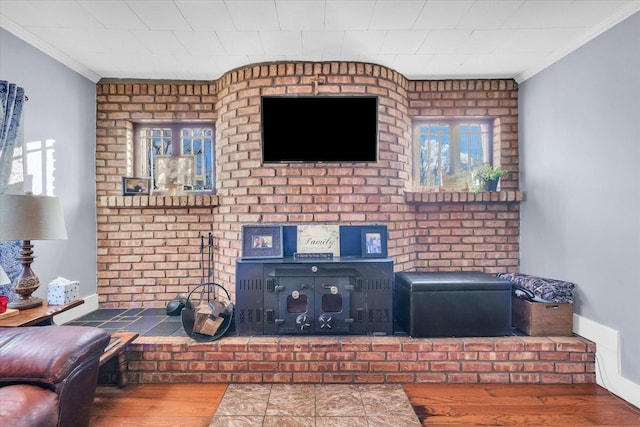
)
(63, 292)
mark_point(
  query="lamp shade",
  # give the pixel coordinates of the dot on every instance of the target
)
(30, 217)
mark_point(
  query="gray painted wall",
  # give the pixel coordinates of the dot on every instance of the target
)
(61, 107)
(580, 165)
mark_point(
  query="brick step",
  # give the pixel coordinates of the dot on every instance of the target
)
(362, 359)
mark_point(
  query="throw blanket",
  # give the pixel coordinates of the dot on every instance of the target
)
(551, 290)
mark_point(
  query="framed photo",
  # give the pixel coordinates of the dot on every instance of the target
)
(262, 241)
(374, 242)
(135, 186)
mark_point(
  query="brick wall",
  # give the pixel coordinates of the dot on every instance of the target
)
(148, 247)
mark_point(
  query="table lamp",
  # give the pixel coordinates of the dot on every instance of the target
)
(28, 217)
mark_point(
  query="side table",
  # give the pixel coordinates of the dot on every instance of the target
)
(38, 316)
(116, 348)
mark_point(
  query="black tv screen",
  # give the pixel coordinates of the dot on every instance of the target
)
(318, 129)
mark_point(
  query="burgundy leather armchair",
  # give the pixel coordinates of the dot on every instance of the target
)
(49, 374)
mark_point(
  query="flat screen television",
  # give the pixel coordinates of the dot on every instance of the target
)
(319, 129)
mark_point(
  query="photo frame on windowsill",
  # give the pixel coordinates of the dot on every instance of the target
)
(374, 242)
(262, 241)
(132, 186)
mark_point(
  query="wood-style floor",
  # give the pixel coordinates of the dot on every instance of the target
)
(190, 405)
(519, 405)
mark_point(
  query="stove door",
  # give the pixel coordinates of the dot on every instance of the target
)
(295, 305)
(332, 305)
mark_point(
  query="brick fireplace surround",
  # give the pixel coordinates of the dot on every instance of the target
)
(148, 246)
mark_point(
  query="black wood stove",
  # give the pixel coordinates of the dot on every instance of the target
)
(349, 296)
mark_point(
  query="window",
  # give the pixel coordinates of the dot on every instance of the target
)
(448, 151)
(194, 140)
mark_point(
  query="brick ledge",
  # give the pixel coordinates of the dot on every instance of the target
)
(363, 359)
(463, 197)
(185, 201)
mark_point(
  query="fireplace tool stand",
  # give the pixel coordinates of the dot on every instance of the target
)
(208, 310)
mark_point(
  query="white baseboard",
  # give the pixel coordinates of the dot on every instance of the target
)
(608, 366)
(90, 304)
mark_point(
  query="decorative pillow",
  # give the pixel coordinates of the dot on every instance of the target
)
(552, 290)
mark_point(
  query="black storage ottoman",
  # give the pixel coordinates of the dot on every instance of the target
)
(453, 304)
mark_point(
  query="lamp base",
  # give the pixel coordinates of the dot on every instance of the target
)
(25, 303)
(27, 282)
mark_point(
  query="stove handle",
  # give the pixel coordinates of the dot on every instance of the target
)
(346, 287)
(350, 320)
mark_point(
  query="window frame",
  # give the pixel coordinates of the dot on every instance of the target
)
(176, 128)
(455, 140)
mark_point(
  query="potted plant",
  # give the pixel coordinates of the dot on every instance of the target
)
(489, 176)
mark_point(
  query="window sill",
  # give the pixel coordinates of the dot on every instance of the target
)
(463, 197)
(183, 201)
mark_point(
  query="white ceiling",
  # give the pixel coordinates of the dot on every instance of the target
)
(203, 39)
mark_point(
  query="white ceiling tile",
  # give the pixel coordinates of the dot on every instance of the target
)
(282, 42)
(195, 65)
(159, 42)
(159, 15)
(538, 40)
(348, 15)
(253, 15)
(444, 41)
(200, 43)
(43, 13)
(116, 15)
(395, 15)
(362, 42)
(229, 62)
(241, 43)
(589, 13)
(489, 14)
(489, 65)
(257, 59)
(80, 41)
(486, 41)
(380, 59)
(541, 14)
(403, 41)
(440, 64)
(442, 14)
(322, 43)
(414, 64)
(119, 41)
(300, 15)
(206, 15)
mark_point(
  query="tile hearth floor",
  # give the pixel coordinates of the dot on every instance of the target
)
(152, 322)
(313, 405)
(148, 322)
